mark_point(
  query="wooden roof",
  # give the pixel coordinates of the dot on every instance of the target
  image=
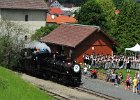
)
(24, 4)
(71, 34)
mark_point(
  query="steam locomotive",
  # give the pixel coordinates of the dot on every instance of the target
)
(52, 66)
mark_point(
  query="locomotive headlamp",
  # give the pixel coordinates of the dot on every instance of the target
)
(76, 68)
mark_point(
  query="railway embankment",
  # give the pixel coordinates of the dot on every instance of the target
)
(12, 87)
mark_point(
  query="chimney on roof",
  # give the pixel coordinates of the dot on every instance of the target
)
(53, 16)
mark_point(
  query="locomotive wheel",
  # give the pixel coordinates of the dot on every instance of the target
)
(60, 79)
(64, 80)
(45, 75)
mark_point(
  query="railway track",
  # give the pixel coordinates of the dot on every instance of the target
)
(60, 92)
(61, 97)
(97, 93)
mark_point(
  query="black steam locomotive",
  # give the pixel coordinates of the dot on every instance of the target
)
(52, 66)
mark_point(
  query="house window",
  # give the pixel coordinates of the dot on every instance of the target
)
(26, 17)
(25, 37)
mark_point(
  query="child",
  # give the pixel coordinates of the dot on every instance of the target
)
(127, 81)
(85, 70)
(94, 73)
(135, 82)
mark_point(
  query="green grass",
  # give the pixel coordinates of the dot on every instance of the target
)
(124, 72)
(12, 87)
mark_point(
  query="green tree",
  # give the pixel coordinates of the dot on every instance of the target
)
(127, 29)
(43, 31)
(11, 42)
(108, 8)
(91, 14)
(124, 26)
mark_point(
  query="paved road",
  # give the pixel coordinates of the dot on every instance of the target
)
(109, 89)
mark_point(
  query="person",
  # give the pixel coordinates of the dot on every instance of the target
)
(128, 65)
(116, 80)
(120, 77)
(130, 81)
(135, 82)
(85, 70)
(138, 87)
(85, 59)
(138, 75)
(127, 81)
(113, 77)
(94, 73)
(121, 63)
(108, 74)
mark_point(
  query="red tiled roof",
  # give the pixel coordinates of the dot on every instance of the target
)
(24, 4)
(49, 19)
(61, 19)
(69, 35)
(65, 19)
(55, 10)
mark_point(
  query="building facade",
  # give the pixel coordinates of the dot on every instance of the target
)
(29, 13)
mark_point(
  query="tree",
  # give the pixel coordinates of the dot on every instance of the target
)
(109, 13)
(126, 30)
(11, 42)
(91, 14)
(43, 31)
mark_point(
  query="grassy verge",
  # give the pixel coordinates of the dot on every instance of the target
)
(124, 72)
(12, 87)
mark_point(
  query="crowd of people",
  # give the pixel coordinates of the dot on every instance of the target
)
(114, 61)
(117, 79)
(111, 64)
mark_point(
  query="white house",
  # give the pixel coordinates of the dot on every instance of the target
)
(29, 13)
(55, 3)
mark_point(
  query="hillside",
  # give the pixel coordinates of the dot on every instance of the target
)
(12, 87)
